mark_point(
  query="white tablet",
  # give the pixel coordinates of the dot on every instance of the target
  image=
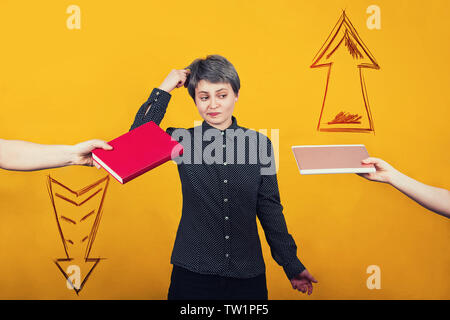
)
(322, 159)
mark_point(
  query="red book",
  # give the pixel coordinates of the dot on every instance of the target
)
(137, 152)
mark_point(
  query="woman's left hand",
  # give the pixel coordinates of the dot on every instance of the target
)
(303, 282)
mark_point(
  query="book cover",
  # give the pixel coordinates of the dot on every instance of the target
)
(137, 152)
(323, 159)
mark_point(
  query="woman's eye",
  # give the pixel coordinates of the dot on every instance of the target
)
(222, 96)
(203, 98)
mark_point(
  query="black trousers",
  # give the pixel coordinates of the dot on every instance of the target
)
(188, 285)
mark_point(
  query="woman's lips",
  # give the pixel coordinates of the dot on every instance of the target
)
(214, 114)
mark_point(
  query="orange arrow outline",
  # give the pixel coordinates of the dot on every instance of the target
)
(94, 227)
(345, 21)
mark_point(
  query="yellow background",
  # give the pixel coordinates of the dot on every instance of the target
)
(61, 86)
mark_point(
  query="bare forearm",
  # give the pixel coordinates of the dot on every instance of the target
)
(432, 198)
(27, 156)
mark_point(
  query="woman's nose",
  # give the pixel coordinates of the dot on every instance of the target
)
(214, 103)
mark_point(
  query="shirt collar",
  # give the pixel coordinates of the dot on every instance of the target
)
(233, 125)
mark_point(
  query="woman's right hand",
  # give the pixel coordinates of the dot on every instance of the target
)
(175, 79)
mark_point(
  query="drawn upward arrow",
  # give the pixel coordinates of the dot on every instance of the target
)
(78, 215)
(345, 106)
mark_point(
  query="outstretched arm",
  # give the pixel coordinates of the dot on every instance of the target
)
(27, 156)
(432, 198)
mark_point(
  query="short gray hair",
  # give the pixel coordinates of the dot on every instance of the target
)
(215, 69)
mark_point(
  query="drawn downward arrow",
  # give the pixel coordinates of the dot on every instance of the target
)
(345, 106)
(78, 215)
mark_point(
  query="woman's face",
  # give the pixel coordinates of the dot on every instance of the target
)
(215, 103)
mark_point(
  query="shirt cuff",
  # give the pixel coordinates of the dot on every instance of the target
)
(293, 268)
(159, 97)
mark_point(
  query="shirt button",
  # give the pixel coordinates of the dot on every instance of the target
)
(226, 218)
(224, 163)
(222, 133)
(225, 181)
(225, 200)
(157, 93)
(223, 145)
(227, 255)
(227, 237)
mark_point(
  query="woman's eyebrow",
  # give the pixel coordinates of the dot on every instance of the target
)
(216, 90)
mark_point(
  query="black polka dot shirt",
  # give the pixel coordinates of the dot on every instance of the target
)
(218, 232)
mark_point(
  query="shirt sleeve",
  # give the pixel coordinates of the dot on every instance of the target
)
(158, 101)
(270, 214)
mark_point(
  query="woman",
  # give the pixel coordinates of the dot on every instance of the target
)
(217, 252)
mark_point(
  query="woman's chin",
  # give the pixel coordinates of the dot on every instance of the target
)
(215, 120)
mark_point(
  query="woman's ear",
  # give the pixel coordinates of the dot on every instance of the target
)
(237, 96)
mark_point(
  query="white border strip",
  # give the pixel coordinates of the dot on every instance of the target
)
(330, 145)
(100, 162)
(338, 170)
